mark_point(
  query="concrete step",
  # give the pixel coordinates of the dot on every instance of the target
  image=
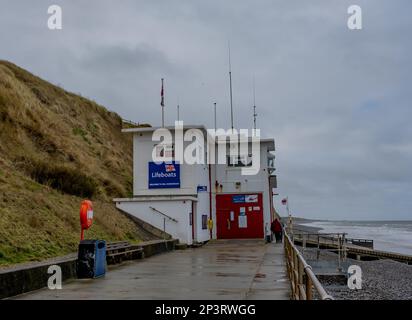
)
(181, 246)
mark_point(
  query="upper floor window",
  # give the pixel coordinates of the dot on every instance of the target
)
(167, 150)
(240, 161)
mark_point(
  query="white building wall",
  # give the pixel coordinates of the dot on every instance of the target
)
(177, 209)
(142, 155)
(202, 209)
(191, 176)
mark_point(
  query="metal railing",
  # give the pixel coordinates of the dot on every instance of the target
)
(333, 241)
(367, 243)
(301, 276)
(164, 214)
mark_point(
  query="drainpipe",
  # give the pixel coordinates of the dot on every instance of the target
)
(193, 222)
(210, 198)
(272, 207)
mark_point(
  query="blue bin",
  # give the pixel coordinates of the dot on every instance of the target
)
(91, 262)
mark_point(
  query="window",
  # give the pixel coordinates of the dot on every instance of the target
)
(204, 222)
(165, 150)
(240, 161)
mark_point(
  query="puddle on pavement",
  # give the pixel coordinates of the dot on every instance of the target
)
(222, 274)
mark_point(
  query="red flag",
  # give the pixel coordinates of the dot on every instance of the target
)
(284, 201)
(162, 101)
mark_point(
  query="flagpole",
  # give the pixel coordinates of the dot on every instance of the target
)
(163, 105)
(290, 222)
(287, 205)
(254, 105)
(230, 86)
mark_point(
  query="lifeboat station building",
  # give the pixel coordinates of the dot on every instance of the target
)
(198, 202)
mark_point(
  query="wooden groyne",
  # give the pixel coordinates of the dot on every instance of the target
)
(326, 241)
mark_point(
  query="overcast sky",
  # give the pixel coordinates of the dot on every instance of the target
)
(337, 102)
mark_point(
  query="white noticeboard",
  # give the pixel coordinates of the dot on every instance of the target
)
(251, 198)
(242, 222)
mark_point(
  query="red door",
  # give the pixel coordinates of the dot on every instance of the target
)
(239, 216)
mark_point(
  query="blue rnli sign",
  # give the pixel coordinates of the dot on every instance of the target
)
(201, 188)
(164, 175)
(239, 198)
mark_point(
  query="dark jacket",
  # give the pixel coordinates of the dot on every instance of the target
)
(276, 226)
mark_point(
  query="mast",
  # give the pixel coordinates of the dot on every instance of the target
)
(162, 103)
(215, 116)
(231, 96)
(254, 105)
(254, 117)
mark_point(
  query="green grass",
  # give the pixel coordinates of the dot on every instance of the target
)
(66, 179)
(57, 148)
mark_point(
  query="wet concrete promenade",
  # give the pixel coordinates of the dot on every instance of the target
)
(223, 269)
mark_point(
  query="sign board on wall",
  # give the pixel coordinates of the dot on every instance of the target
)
(164, 175)
(201, 188)
(242, 222)
(238, 198)
(242, 211)
(250, 198)
(242, 198)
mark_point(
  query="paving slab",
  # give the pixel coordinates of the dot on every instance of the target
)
(222, 269)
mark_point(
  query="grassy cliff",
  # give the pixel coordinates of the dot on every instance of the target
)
(57, 148)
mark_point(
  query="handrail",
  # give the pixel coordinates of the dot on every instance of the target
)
(163, 214)
(297, 267)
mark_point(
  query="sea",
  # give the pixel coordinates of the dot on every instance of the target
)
(393, 236)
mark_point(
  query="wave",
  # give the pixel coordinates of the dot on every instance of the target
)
(395, 236)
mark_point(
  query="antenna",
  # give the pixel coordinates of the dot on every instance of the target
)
(162, 103)
(254, 105)
(254, 117)
(215, 115)
(178, 109)
(230, 82)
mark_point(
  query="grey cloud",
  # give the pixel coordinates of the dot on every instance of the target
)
(337, 102)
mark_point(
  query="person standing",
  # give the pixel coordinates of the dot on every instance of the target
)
(276, 228)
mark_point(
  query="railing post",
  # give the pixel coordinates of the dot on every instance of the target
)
(344, 247)
(300, 275)
(296, 273)
(308, 288)
(293, 276)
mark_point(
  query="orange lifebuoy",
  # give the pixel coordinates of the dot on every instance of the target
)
(86, 215)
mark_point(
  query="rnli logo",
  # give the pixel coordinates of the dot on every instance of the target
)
(170, 168)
